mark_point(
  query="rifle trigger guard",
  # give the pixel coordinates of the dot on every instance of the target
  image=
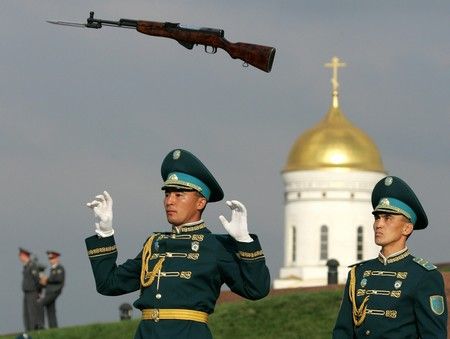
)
(210, 50)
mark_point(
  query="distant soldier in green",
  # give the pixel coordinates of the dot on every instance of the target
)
(31, 290)
(53, 284)
(180, 272)
(396, 295)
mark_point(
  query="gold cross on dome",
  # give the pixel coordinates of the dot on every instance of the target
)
(335, 64)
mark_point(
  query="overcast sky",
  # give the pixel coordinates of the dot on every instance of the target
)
(85, 110)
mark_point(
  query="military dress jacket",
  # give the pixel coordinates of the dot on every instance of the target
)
(55, 282)
(405, 298)
(196, 264)
(30, 277)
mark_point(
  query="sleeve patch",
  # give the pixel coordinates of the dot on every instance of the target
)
(437, 304)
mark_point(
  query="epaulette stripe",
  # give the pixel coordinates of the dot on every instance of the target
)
(424, 263)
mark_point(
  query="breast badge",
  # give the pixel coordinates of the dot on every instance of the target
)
(195, 246)
(397, 284)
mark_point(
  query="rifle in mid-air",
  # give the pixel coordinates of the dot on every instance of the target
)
(212, 38)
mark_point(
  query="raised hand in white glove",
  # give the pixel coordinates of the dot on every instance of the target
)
(102, 207)
(237, 226)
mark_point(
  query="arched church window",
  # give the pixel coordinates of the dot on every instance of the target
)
(359, 243)
(323, 242)
(294, 243)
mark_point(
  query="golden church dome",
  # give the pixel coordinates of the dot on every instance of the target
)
(334, 142)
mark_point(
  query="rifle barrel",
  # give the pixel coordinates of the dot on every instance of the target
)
(63, 23)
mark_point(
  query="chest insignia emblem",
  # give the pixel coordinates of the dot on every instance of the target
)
(195, 246)
(363, 282)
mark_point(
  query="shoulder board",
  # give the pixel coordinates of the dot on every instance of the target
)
(424, 263)
(358, 263)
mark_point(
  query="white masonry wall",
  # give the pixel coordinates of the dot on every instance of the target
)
(338, 199)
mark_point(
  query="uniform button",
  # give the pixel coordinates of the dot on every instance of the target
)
(367, 332)
(158, 296)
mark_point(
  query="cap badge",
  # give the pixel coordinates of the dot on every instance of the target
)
(384, 202)
(388, 181)
(176, 154)
(172, 177)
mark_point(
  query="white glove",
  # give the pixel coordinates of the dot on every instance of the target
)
(237, 227)
(102, 207)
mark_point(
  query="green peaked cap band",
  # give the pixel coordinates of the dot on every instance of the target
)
(394, 205)
(178, 179)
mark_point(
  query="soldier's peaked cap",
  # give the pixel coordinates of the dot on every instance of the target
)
(392, 195)
(53, 254)
(24, 251)
(183, 170)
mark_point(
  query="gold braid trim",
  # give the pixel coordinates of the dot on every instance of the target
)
(147, 277)
(359, 313)
(102, 251)
(251, 255)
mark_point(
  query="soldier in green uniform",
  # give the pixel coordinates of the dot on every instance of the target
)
(396, 295)
(180, 272)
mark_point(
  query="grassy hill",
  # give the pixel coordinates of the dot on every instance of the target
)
(296, 314)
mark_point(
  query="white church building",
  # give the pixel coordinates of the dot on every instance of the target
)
(328, 178)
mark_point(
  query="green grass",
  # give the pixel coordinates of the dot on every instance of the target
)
(114, 330)
(295, 315)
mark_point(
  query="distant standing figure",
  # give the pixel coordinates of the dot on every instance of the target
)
(54, 284)
(30, 288)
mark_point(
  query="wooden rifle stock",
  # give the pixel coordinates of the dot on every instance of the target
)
(256, 55)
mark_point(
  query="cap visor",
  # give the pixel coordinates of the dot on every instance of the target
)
(179, 187)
